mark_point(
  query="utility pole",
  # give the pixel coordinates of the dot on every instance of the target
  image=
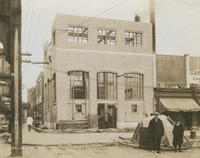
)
(17, 100)
(15, 32)
(10, 35)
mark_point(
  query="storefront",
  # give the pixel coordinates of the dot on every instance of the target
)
(178, 104)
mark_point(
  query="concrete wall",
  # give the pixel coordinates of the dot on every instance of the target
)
(93, 58)
(63, 21)
(93, 63)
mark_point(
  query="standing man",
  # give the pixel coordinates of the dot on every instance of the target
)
(156, 130)
(29, 122)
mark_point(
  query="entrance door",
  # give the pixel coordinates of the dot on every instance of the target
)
(107, 116)
(101, 116)
(112, 116)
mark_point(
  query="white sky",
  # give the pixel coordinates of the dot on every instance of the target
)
(177, 24)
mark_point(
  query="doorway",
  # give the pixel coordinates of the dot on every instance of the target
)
(107, 116)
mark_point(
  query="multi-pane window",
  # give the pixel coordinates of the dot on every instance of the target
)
(106, 36)
(133, 39)
(106, 85)
(77, 34)
(79, 84)
(134, 86)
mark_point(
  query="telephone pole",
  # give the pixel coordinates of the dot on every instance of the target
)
(16, 78)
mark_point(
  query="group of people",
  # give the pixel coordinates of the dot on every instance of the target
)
(156, 130)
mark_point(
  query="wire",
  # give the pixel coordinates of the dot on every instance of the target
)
(90, 18)
(186, 2)
(66, 73)
(106, 10)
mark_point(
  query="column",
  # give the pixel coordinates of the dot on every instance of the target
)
(93, 118)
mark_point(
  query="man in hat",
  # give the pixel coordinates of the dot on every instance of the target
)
(156, 131)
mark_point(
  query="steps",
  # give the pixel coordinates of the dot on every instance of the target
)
(72, 124)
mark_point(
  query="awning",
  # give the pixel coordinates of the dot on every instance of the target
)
(178, 104)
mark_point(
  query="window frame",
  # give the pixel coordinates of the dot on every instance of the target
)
(79, 84)
(133, 40)
(76, 35)
(106, 36)
(134, 84)
(107, 88)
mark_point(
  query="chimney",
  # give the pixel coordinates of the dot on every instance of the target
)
(137, 18)
(152, 20)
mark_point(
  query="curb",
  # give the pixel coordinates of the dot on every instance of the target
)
(73, 144)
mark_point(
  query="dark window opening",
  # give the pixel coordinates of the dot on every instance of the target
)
(134, 108)
(78, 108)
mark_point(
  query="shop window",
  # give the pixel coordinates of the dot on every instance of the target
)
(134, 86)
(78, 108)
(106, 85)
(134, 108)
(79, 84)
(106, 36)
(77, 34)
(133, 39)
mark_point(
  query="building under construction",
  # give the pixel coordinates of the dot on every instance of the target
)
(100, 73)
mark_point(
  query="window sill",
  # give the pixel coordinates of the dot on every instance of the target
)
(135, 101)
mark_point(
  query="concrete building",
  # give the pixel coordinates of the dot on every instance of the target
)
(39, 87)
(100, 72)
(177, 92)
(36, 99)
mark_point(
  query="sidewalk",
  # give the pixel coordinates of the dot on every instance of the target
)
(35, 138)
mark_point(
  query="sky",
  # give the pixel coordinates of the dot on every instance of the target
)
(177, 25)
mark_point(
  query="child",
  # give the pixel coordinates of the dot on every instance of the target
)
(178, 136)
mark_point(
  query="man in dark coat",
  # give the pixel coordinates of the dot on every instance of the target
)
(178, 135)
(156, 131)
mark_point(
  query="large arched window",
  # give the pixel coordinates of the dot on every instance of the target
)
(106, 85)
(134, 86)
(79, 84)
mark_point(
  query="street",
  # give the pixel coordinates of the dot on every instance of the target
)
(95, 151)
(84, 145)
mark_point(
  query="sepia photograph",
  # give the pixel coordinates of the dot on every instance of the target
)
(99, 78)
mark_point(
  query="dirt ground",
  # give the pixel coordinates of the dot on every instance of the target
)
(95, 151)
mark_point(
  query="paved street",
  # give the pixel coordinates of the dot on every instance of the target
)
(66, 146)
(35, 138)
(95, 151)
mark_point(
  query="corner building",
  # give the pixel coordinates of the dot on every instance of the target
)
(103, 72)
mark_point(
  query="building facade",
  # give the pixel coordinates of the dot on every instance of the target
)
(100, 72)
(177, 91)
(36, 100)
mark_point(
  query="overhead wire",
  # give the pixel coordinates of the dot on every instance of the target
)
(66, 72)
